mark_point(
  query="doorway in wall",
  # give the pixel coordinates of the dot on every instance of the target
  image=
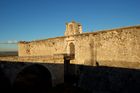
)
(72, 50)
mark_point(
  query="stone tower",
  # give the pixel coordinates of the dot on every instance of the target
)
(73, 28)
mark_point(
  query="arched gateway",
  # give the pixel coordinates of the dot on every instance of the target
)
(72, 49)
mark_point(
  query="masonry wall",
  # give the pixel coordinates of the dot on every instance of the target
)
(42, 47)
(82, 49)
(23, 49)
(118, 47)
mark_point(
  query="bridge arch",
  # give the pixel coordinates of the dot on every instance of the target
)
(33, 78)
(5, 84)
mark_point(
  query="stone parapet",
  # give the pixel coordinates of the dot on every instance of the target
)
(38, 59)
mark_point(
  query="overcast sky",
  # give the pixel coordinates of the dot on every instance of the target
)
(28, 20)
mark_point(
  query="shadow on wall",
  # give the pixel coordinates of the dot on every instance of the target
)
(78, 79)
(109, 79)
(102, 79)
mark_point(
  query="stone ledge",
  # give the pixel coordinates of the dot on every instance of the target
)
(37, 59)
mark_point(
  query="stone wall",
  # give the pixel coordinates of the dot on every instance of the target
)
(120, 45)
(42, 47)
(117, 47)
(23, 49)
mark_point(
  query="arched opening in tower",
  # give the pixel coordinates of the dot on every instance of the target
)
(72, 50)
(71, 28)
(34, 79)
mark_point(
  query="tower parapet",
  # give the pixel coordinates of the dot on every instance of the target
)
(73, 28)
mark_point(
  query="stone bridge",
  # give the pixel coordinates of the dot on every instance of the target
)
(20, 70)
(43, 72)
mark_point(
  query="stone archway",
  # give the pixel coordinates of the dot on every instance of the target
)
(72, 49)
(34, 79)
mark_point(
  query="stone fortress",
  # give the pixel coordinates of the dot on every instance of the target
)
(116, 47)
(99, 62)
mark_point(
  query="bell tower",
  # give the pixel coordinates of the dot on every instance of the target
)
(73, 28)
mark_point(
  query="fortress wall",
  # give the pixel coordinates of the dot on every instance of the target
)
(119, 46)
(43, 47)
(115, 47)
(82, 49)
(23, 49)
